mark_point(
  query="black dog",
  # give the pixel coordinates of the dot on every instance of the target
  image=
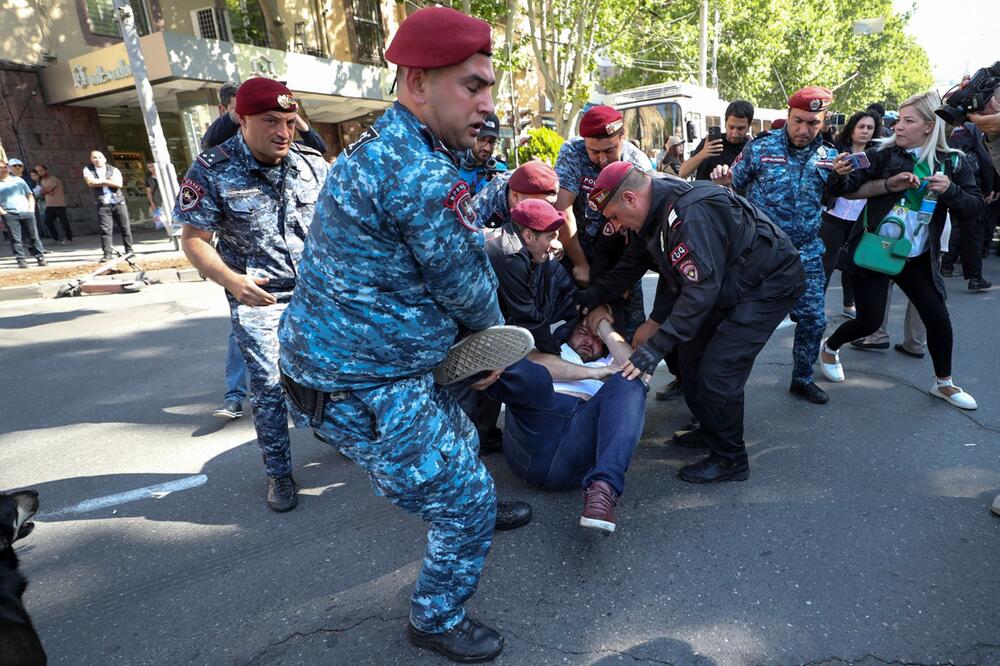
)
(19, 643)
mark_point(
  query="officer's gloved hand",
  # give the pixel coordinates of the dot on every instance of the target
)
(647, 356)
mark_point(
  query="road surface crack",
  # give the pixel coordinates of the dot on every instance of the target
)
(578, 653)
(967, 658)
(321, 630)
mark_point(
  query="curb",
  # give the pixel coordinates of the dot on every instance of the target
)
(49, 288)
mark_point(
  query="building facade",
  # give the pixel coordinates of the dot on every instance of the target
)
(67, 87)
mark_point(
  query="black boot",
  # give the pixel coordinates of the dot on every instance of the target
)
(670, 391)
(511, 515)
(979, 284)
(281, 493)
(809, 391)
(716, 468)
(468, 642)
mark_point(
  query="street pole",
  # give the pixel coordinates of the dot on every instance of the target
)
(515, 119)
(715, 51)
(154, 129)
(703, 46)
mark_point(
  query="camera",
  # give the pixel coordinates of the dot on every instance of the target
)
(973, 97)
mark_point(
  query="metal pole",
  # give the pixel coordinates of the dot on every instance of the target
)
(715, 51)
(703, 46)
(515, 119)
(154, 129)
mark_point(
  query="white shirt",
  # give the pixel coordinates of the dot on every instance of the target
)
(587, 387)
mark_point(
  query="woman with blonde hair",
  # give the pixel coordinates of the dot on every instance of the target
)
(904, 169)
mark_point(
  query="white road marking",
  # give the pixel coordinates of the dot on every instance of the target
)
(785, 323)
(156, 491)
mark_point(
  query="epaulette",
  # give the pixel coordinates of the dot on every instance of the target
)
(213, 157)
(305, 150)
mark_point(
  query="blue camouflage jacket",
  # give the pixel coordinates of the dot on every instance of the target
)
(261, 214)
(490, 203)
(393, 264)
(577, 174)
(786, 183)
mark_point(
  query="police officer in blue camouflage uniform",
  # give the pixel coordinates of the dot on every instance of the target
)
(257, 191)
(531, 180)
(601, 142)
(784, 174)
(393, 266)
(478, 166)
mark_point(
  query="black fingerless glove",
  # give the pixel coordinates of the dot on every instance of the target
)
(647, 356)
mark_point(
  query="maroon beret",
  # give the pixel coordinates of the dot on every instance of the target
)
(778, 124)
(261, 94)
(812, 99)
(435, 37)
(601, 121)
(607, 184)
(534, 177)
(538, 215)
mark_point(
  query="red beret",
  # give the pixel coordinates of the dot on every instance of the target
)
(534, 177)
(538, 215)
(812, 99)
(601, 121)
(607, 184)
(435, 37)
(261, 94)
(778, 124)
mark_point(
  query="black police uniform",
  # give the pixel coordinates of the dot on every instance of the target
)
(731, 276)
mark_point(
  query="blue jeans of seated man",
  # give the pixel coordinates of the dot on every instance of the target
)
(236, 371)
(559, 442)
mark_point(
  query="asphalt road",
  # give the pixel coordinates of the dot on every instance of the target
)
(863, 536)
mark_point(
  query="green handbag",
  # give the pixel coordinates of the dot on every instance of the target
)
(881, 254)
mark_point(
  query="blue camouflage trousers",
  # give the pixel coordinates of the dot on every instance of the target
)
(810, 312)
(420, 450)
(256, 330)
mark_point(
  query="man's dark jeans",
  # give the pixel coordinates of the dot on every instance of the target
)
(114, 215)
(559, 442)
(17, 224)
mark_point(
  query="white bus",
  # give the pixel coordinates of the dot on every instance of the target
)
(654, 113)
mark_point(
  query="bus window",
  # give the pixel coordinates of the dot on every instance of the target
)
(650, 126)
(714, 121)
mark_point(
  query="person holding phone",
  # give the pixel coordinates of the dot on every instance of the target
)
(916, 160)
(718, 147)
(856, 137)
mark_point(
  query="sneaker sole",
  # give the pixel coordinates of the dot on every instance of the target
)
(484, 351)
(226, 414)
(596, 524)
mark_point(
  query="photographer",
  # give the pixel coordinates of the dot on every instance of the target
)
(724, 149)
(989, 123)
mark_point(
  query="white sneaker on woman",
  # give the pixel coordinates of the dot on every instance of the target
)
(834, 372)
(961, 399)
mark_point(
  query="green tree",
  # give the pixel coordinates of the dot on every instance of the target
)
(769, 48)
(543, 144)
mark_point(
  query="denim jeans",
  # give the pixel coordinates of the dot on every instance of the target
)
(236, 371)
(558, 441)
(17, 224)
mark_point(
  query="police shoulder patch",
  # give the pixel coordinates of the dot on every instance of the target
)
(369, 135)
(213, 156)
(459, 200)
(190, 194)
(689, 269)
(679, 252)
(587, 184)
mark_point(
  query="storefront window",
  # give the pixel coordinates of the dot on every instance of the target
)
(368, 28)
(101, 16)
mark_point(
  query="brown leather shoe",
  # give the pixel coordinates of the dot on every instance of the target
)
(599, 507)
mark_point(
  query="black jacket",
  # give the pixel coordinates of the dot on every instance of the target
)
(712, 249)
(962, 199)
(532, 296)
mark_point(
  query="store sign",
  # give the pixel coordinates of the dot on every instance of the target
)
(82, 78)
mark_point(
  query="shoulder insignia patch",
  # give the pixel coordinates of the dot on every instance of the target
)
(369, 135)
(608, 230)
(688, 269)
(586, 185)
(678, 253)
(191, 193)
(459, 199)
(773, 159)
(672, 219)
(213, 156)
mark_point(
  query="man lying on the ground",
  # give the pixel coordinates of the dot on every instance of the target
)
(565, 428)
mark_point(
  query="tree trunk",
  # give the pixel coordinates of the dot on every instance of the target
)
(275, 25)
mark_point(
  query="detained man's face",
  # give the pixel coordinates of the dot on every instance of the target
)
(587, 345)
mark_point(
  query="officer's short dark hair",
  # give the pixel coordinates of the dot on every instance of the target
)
(227, 92)
(878, 108)
(740, 109)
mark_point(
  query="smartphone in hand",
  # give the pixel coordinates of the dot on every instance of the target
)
(714, 133)
(859, 161)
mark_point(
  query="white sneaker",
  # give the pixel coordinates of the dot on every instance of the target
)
(996, 506)
(834, 372)
(490, 349)
(962, 400)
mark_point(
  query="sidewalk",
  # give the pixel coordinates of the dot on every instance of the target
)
(87, 250)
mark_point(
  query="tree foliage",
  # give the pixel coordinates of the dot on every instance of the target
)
(542, 144)
(770, 48)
